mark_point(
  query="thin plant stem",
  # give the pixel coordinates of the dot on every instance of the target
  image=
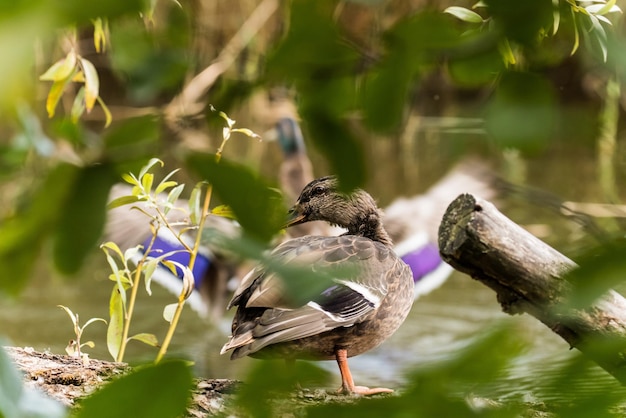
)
(192, 261)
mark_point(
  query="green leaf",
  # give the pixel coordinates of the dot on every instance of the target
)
(155, 391)
(146, 168)
(99, 35)
(108, 118)
(92, 320)
(122, 201)
(164, 185)
(71, 314)
(116, 324)
(114, 247)
(54, 95)
(81, 223)
(464, 14)
(24, 234)
(172, 197)
(92, 83)
(257, 205)
(149, 339)
(195, 210)
(149, 267)
(522, 98)
(146, 181)
(224, 211)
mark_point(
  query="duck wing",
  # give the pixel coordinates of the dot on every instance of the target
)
(358, 269)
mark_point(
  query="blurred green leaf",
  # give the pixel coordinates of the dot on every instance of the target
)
(154, 391)
(130, 144)
(16, 401)
(257, 205)
(259, 393)
(313, 48)
(477, 69)
(601, 269)
(24, 234)
(522, 21)
(386, 90)
(334, 139)
(75, 12)
(522, 113)
(82, 217)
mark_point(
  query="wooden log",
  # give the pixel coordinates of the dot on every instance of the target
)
(528, 277)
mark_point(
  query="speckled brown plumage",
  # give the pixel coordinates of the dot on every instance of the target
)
(368, 295)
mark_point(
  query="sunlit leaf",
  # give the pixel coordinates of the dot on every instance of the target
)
(224, 211)
(54, 95)
(89, 344)
(108, 118)
(71, 315)
(576, 34)
(122, 201)
(146, 182)
(556, 17)
(149, 339)
(116, 324)
(169, 311)
(92, 83)
(599, 35)
(62, 69)
(92, 320)
(164, 185)
(195, 210)
(136, 394)
(148, 167)
(247, 132)
(99, 35)
(464, 14)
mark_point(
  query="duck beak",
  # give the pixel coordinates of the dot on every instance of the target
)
(294, 217)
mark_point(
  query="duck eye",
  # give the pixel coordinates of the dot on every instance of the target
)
(318, 190)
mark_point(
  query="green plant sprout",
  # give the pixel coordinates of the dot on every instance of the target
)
(157, 202)
(74, 347)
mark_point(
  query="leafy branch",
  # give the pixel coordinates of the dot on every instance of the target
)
(157, 204)
(74, 68)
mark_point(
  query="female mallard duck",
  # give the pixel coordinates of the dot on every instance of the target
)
(356, 313)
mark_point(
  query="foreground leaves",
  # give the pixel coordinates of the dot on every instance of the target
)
(155, 391)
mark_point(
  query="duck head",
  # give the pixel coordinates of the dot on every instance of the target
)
(357, 211)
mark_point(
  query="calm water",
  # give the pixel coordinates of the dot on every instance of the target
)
(440, 324)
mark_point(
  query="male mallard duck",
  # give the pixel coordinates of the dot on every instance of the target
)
(353, 315)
